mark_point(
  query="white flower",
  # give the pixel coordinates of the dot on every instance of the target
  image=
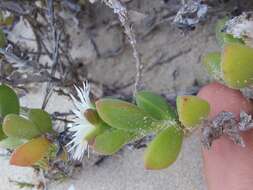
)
(81, 126)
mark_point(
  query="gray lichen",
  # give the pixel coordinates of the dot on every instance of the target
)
(225, 123)
(190, 14)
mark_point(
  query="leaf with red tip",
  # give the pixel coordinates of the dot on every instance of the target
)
(31, 152)
(192, 110)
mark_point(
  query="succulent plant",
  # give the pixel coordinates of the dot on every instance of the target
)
(129, 122)
(23, 133)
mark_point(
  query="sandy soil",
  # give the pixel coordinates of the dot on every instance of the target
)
(172, 61)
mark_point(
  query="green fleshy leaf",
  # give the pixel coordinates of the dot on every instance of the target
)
(9, 102)
(11, 143)
(164, 149)
(222, 37)
(123, 115)
(155, 105)
(19, 127)
(237, 65)
(212, 62)
(111, 141)
(41, 119)
(192, 110)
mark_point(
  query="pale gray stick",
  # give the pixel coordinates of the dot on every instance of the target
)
(122, 13)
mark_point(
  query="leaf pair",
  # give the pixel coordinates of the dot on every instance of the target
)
(126, 120)
(23, 133)
(166, 146)
(21, 130)
(129, 121)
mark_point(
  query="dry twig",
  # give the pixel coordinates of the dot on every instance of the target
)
(225, 123)
(122, 13)
(55, 53)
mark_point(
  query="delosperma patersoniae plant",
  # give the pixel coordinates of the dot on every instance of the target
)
(107, 124)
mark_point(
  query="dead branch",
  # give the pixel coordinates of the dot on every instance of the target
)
(55, 53)
(225, 123)
(122, 13)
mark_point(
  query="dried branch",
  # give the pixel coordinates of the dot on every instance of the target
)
(122, 13)
(225, 123)
(55, 53)
(12, 58)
